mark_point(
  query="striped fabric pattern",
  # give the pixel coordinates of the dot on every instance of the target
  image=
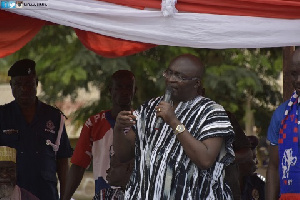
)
(110, 194)
(162, 169)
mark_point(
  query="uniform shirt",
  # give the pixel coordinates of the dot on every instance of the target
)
(231, 172)
(274, 127)
(95, 142)
(254, 188)
(36, 161)
(163, 170)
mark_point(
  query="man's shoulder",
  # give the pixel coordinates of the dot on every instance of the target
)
(206, 100)
(99, 118)
(50, 108)
(150, 103)
(282, 106)
(7, 105)
(279, 111)
(7, 109)
(210, 104)
(47, 106)
(101, 114)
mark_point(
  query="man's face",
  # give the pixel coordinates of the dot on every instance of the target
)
(122, 91)
(183, 80)
(7, 178)
(24, 90)
(250, 166)
(295, 77)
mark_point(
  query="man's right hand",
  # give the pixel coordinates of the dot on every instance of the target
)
(125, 119)
(124, 137)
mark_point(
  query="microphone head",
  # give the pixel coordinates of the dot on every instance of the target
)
(169, 89)
(167, 98)
(168, 94)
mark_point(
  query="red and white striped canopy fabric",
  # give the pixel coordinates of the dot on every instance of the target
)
(113, 28)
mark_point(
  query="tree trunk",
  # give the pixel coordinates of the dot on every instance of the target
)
(287, 59)
(249, 117)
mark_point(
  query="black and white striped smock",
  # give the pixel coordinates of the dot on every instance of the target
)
(162, 169)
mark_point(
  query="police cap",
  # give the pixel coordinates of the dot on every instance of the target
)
(24, 67)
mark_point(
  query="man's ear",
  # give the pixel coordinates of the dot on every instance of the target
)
(198, 84)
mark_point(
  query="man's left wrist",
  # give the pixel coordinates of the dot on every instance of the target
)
(180, 128)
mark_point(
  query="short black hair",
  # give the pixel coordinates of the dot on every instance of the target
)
(121, 73)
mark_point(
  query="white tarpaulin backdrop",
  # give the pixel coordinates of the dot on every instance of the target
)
(182, 29)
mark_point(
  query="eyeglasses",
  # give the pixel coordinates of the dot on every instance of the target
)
(177, 76)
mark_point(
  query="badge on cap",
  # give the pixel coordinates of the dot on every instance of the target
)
(23, 67)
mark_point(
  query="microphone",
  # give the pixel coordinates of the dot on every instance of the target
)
(167, 98)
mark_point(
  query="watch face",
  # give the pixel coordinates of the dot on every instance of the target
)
(180, 128)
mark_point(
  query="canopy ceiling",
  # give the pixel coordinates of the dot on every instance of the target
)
(113, 28)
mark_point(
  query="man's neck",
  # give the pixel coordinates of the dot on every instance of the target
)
(28, 112)
(16, 193)
(177, 101)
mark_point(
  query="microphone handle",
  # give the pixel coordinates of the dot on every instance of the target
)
(166, 98)
(158, 123)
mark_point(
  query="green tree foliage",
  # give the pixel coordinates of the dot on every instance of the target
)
(232, 75)
(243, 74)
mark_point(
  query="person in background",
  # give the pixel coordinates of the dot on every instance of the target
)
(283, 172)
(243, 154)
(37, 131)
(96, 137)
(117, 175)
(185, 157)
(252, 185)
(8, 177)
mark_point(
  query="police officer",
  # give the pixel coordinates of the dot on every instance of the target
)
(37, 131)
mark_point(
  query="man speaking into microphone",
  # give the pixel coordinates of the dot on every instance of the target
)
(181, 141)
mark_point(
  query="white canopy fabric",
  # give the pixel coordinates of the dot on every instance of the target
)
(182, 29)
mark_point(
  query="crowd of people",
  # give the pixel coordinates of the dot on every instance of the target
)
(182, 145)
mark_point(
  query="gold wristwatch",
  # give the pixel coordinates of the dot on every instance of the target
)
(179, 129)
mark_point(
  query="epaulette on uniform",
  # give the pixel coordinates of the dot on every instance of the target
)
(61, 112)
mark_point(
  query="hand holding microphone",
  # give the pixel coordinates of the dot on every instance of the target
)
(167, 98)
(124, 120)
